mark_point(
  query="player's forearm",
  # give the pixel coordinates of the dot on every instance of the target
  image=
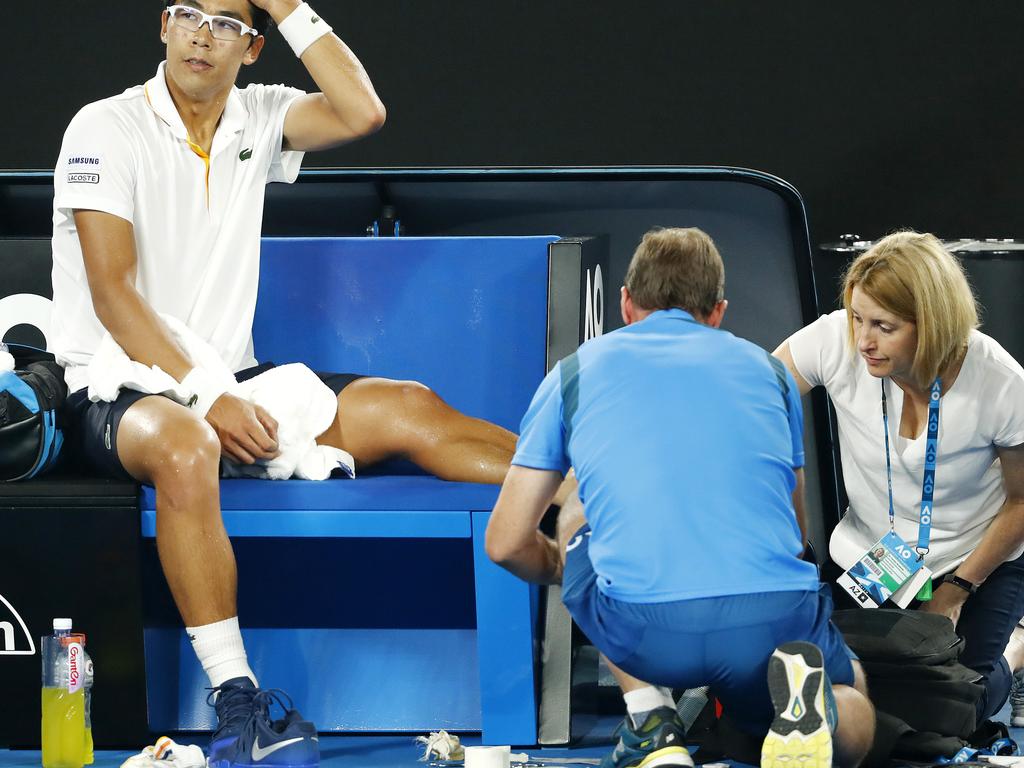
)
(537, 562)
(140, 332)
(345, 85)
(343, 82)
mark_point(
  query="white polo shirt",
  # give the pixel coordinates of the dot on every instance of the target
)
(197, 219)
(982, 412)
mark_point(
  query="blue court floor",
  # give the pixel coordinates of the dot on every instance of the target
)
(403, 752)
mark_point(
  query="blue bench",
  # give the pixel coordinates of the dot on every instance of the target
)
(469, 318)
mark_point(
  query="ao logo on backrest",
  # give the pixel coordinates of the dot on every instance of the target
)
(25, 309)
(12, 642)
(593, 322)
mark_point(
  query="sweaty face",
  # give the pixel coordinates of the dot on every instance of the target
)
(201, 64)
(886, 342)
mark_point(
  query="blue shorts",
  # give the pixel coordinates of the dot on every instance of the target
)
(92, 427)
(724, 642)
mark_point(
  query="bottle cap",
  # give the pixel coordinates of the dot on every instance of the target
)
(62, 624)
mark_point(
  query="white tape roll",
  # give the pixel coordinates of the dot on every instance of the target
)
(487, 757)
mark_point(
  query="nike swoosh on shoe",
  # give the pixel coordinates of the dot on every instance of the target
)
(258, 753)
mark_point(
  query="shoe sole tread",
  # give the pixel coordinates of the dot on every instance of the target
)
(799, 736)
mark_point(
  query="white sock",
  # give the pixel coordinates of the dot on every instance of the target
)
(643, 700)
(220, 651)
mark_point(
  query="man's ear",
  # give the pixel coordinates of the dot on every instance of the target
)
(163, 26)
(714, 318)
(626, 305)
(254, 49)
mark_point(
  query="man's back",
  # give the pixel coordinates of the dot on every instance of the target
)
(685, 446)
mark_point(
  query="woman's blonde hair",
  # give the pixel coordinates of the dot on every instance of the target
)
(911, 275)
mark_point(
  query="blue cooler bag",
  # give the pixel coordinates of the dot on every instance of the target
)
(31, 399)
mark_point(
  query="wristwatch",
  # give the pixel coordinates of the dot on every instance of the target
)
(964, 584)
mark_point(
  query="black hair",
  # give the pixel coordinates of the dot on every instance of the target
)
(261, 20)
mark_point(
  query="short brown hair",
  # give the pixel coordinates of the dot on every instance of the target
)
(911, 275)
(676, 268)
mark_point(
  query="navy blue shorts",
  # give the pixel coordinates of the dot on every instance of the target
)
(724, 642)
(92, 427)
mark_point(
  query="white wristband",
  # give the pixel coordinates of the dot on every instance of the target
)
(302, 28)
(204, 389)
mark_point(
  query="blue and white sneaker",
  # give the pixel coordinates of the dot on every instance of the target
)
(805, 709)
(658, 743)
(246, 737)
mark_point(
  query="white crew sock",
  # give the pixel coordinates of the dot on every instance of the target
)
(643, 700)
(220, 651)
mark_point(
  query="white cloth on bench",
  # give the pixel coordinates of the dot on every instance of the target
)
(303, 406)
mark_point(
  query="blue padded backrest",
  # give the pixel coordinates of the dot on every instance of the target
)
(467, 316)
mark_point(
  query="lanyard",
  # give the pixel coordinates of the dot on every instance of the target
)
(931, 452)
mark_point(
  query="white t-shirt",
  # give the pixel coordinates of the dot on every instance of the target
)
(197, 221)
(982, 410)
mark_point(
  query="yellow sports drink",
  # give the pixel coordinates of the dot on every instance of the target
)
(63, 698)
(63, 728)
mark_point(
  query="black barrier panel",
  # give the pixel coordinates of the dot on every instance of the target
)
(70, 547)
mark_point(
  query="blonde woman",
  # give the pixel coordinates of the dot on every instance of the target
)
(907, 341)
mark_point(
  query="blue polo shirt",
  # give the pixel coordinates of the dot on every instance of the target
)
(685, 446)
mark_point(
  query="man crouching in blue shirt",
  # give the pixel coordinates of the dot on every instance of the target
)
(685, 571)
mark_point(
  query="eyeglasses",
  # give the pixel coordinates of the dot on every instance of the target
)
(221, 27)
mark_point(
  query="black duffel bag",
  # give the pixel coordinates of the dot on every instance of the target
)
(31, 403)
(926, 700)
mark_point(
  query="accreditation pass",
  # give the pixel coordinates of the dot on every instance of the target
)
(881, 571)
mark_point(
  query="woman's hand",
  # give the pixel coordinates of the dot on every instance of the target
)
(947, 599)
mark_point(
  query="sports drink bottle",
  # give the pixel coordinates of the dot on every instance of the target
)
(63, 695)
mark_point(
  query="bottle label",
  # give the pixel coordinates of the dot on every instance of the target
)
(76, 667)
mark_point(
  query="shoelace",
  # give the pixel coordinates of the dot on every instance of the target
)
(261, 704)
(1017, 694)
(233, 703)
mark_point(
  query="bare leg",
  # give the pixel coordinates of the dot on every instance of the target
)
(165, 444)
(855, 730)
(380, 419)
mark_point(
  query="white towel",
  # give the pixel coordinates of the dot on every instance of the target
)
(111, 370)
(303, 406)
(167, 754)
(6, 361)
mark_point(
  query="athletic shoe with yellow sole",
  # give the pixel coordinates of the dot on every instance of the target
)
(658, 743)
(801, 733)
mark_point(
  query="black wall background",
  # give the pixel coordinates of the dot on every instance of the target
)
(883, 114)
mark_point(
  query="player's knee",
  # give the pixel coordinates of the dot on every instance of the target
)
(414, 398)
(189, 455)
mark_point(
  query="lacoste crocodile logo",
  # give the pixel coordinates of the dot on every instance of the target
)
(245, 154)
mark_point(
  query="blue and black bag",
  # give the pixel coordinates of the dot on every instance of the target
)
(31, 402)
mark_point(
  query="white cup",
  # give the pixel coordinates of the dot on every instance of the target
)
(488, 757)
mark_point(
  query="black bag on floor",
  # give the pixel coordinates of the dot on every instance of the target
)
(31, 400)
(925, 698)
